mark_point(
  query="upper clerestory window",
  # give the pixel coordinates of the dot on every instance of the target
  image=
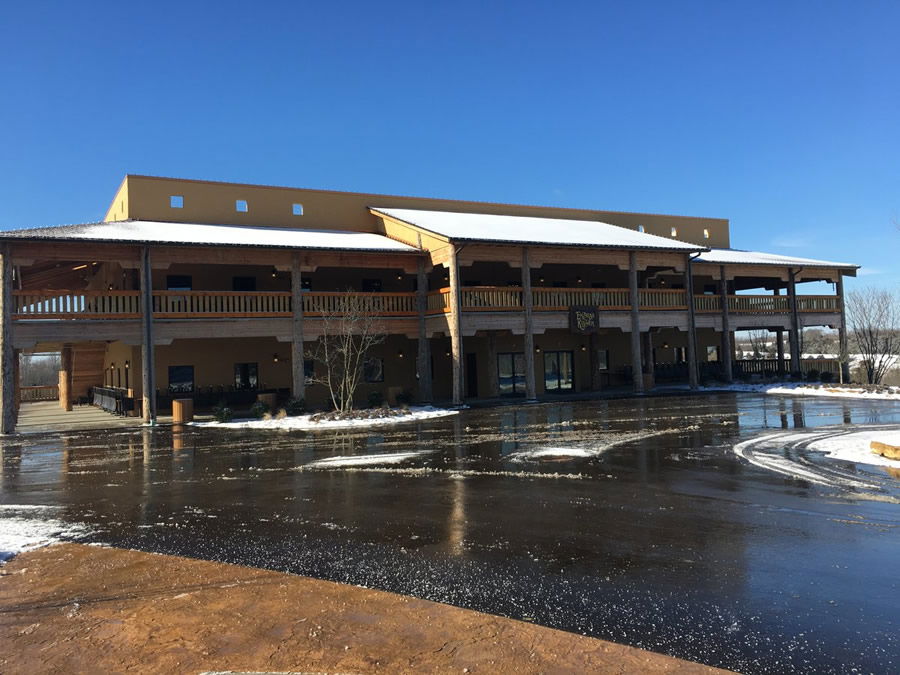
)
(674, 231)
(705, 233)
(240, 205)
(176, 202)
(641, 228)
(297, 209)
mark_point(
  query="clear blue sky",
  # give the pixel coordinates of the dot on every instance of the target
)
(781, 116)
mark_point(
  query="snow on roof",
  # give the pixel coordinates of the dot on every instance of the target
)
(533, 230)
(731, 256)
(153, 232)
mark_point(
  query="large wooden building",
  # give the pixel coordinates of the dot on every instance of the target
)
(201, 289)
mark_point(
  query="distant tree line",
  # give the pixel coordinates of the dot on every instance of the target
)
(39, 370)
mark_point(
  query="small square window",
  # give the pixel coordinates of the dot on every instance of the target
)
(297, 209)
(176, 202)
(705, 233)
(640, 228)
(674, 231)
(240, 205)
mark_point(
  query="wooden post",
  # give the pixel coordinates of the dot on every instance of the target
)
(779, 350)
(148, 373)
(637, 370)
(727, 365)
(594, 346)
(7, 353)
(693, 375)
(844, 351)
(493, 375)
(794, 332)
(456, 347)
(423, 353)
(528, 305)
(65, 378)
(298, 374)
(649, 365)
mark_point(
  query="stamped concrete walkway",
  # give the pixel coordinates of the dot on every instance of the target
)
(75, 609)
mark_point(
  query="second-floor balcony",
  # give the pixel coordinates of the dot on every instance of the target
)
(124, 305)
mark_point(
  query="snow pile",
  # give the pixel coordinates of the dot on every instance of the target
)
(309, 423)
(855, 447)
(595, 449)
(23, 528)
(884, 393)
(361, 460)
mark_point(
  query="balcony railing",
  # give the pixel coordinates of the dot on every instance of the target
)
(58, 304)
(47, 392)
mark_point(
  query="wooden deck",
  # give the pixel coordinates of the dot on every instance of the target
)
(41, 416)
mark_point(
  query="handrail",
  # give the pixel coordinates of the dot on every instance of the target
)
(237, 304)
(68, 304)
(42, 392)
(767, 304)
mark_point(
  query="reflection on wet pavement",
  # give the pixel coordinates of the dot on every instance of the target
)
(630, 520)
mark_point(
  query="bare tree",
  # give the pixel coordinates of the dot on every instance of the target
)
(759, 341)
(873, 319)
(39, 369)
(349, 331)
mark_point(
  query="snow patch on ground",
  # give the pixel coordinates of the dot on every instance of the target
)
(362, 460)
(594, 449)
(800, 389)
(23, 529)
(305, 422)
(855, 447)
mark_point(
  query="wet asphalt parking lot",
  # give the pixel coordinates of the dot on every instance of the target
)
(630, 520)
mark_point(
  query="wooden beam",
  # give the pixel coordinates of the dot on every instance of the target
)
(455, 332)
(423, 347)
(693, 372)
(298, 374)
(527, 303)
(7, 352)
(794, 333)
(148, 366)
(727, 367)
(637, 370)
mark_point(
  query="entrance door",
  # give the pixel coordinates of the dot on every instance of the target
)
(471, 376)
(511, 373)
(558, 372)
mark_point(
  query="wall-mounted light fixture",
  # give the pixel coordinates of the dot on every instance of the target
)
(400, 354)
(274, 272)
(399, 277)
(579, 280)
(665, 345)
(583, 348)
(275, 357)
(537, 348)
(127, 365)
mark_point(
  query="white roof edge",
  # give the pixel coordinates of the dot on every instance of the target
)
(734, 256)
(570, 232)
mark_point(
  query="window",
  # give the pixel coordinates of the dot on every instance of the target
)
(243, 284)
(179, 282)
(309, 370)
(297, 209)
(181, 379)
(603, 359)
(240, 205)
(511, 373)
(712, 354)
(641, 228)
(705, 233)
(558, 372)
(246, 376)
(371, 285)
(680, 355)
(176, 202)
(674, 231)
(373, 370)
(305, 284)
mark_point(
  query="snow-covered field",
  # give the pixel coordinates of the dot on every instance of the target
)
(24, 528)
(307, 423)
(854, 447)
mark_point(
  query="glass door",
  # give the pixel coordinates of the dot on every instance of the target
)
(558, 372)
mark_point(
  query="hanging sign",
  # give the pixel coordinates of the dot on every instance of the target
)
(584, 320)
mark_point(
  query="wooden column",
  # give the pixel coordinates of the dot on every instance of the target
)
(794, 332)
(455, 319)
(649, 365)
(637, 370)
(727, 351)
(423, 347)
(148, 372)
(65, 378)
(779, 350)
(693, 374)
(493, 375)
(298, 375)
(528, 305)
(844, 351)
(594, 346)
(7, 353)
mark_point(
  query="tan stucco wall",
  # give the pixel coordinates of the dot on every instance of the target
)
(147, 198)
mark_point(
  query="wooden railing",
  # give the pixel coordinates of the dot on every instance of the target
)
(56, 304)
(48, 392)
(184, 304)
(60, 304)
(381, 304)
(767, 304)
